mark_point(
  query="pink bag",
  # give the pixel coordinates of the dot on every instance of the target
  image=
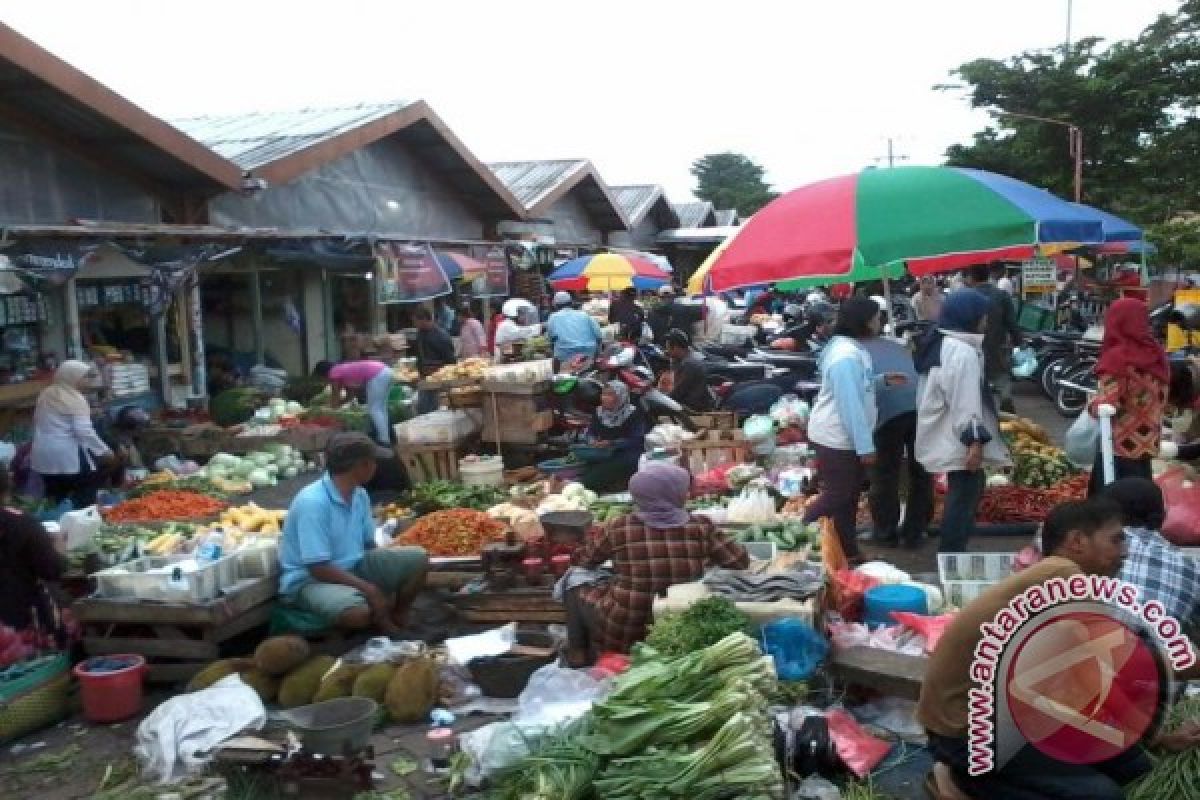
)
(931, 628)
(1182, 498)
(859, 750)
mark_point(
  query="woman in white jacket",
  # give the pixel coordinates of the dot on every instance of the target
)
(66, 450)
(958, 431)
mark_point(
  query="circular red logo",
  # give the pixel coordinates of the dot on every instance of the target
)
(1083, 687)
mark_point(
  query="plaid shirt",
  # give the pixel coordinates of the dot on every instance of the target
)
(647, 561)
(1162, 572)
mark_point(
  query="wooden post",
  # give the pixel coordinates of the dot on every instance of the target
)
(183, 331)
(331, 339)
(73, 339)
(256, 311)
(160, 353)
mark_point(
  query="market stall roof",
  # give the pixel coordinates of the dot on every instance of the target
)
(639, 201)
(45, 95)
(540, 184)
(700, 214)
(726, 216)
(709, 235)
(280, 146)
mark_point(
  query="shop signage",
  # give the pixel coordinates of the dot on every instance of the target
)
(1039, 274)
(48, 262)
(408, 273)
(494, 282)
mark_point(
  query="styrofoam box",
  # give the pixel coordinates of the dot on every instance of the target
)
(134, 580)
(736, 334)
(975, 566)
(959, 593)
(260, 560)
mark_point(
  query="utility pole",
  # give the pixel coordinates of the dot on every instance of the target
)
(1074, 145)
(1067, 46)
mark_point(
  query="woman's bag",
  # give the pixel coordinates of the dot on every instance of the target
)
(1083, 440)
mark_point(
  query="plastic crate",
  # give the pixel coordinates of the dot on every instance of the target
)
(1033, 317)
(258, 560)
(135, 580)
(989, 567)
(960, 593)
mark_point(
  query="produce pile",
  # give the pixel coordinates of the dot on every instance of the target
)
(253, 519)
(455, 532)
(165, 505)
(392, 512)
(266, 467)
(1036, 462)
(440, 495)
(1025, 504)
(702, 624)
(469, 369)
(789, 534)
(1174, 774)
(115, 544)
(694, 726)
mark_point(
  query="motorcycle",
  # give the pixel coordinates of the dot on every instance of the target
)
(578, 386)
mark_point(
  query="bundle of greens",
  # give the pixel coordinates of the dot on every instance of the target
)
(738, 761)
(1174, 774)
(433, 496)
(558, 768)
(704, 623)
(696, 676)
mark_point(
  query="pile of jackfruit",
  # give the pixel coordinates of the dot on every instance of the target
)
(283, 671)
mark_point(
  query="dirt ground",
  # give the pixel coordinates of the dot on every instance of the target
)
(70, 760)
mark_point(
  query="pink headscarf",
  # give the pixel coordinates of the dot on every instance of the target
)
(659, 493)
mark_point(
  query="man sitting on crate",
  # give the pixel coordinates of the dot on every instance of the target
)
(327, 552)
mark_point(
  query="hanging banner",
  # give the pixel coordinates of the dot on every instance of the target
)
(173, 268)
(350, 255)
(45, 263)
(494, 281)
(408, 273)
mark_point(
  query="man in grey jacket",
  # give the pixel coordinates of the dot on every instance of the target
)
(1003, 334)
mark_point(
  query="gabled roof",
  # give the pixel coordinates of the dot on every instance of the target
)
(699, 214)
(639, 200)
(726, 216)
(541, 184)
(280, 146)
(45, 95)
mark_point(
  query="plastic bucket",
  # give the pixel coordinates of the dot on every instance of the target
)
(111, 686)
(486, 471)
(880, 601)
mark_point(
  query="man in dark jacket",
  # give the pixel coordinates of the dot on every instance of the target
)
(1002, 335)
(626, 313)
(435, 349)
(687, 382)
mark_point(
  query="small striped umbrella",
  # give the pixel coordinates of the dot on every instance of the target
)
(608, 272)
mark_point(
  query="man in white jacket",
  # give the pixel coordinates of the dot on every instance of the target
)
(958, 431)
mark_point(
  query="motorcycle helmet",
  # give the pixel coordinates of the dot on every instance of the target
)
(588, 391)
(514, 305)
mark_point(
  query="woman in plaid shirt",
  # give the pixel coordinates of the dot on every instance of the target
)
(659, 545)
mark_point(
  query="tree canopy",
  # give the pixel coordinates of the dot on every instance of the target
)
(1134, 101)
(731, 180)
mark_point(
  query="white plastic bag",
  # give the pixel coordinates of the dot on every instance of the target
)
(1083, 440)
(80, 526)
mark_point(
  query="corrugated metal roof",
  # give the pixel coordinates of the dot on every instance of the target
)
(259, 138)
(636, 201)
(531, 181)
(695, 215)
(726, 216)
(696, 235)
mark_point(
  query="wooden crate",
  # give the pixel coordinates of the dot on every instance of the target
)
(176, 640)
(202, 441)
(516, 417)
(429, 462)
(713, 448)
(714, 420)
(512, 605)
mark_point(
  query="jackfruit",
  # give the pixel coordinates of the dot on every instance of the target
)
(280, 655)
(339, 683)
(373, 682)
(412, 691)
(266, 686)
(299, 686)
(216, 671)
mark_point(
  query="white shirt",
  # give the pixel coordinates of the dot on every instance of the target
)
(57, 440)
(509, 331)
(1006, 284)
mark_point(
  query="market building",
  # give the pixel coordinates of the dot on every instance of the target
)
(648, 211)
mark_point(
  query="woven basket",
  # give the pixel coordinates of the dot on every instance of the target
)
(33, 695)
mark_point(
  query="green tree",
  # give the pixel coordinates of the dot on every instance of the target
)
(731, 180)
(1134, 102)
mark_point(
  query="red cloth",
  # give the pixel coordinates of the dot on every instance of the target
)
(1129, 345)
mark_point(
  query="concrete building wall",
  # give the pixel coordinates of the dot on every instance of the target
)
(572, 223)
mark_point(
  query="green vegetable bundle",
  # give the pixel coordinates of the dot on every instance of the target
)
(704, 623)
(696, 676)
(1175, 775)
(426, 498)
(558, 769)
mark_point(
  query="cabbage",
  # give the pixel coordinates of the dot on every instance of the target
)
(224, 460)
(294, 408)
(258, 478)
(216, 471)
(272, 469)
(244, 468)
(261, 459)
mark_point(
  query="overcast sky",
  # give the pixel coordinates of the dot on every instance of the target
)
(808, 88)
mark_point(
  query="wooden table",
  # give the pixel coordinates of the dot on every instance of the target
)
(520, 604)
(177, 640)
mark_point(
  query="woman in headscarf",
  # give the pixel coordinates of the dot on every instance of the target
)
(66, 450)
(659, 545)
(618, 424)
(842, 425)
(958, 431)
(1133, 377)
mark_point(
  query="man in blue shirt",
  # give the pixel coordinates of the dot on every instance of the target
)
(327, 551)
(573, 332)
(895, 450)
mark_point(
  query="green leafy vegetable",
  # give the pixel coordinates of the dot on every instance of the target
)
(704, 623)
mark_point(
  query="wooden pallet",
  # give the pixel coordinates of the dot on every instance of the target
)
(513, 605)
(177, 640)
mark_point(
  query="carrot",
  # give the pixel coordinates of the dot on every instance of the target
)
(454, 532)
(165, 504)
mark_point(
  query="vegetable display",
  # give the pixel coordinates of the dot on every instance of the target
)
(1036, 462)
(165, 504)
(266, 467)
(1174, 774)
(251, 518)
(704, 623)
(572, 497)
(787, 535)
(455, 532)
(1025, 504)
(440, 495)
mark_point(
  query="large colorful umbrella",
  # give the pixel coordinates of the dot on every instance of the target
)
(930, 218)
(607, 272)
(458, 266)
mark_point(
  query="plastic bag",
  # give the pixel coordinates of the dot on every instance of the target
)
(931, 628)
(850, 587)
(1083, 440)
(1182, 498)
(1024, 362)
(789, 410)
(758, 428)
(859, 750)
(80, 526)
(796, 648)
